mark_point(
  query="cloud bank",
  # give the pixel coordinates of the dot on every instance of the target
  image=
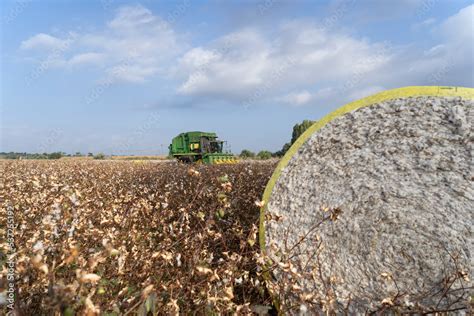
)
(299, 63)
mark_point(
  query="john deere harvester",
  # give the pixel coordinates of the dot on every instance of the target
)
(200, 147)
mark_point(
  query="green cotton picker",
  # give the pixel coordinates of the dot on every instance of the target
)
(200, 147)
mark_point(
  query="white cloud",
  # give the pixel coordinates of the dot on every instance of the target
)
(243, 66)
(365, 92)
(198, 57)
(134, 46)
(86, 58)
(457, 36)
(131, 72)
(435, 50)
(255, 65)
(250, 64)
(459, 27)
(42, 41)
(297, 98)
(423, 24)
(233, 65)
(449, 61)
(305, 97)
(132, 17)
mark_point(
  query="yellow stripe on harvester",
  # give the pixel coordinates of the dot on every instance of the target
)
(413, 91)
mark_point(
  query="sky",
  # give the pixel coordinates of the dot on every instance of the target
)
(125, 77)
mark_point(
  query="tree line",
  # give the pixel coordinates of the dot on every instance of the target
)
(53, 155)
(298, 130)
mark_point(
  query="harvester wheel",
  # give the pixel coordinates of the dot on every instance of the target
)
(185, 159)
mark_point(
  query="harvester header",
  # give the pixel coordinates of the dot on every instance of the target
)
(201, 147)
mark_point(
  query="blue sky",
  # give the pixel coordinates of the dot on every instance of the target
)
(124, 77)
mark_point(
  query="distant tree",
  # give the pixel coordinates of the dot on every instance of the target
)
(12, 155)
(264, 154)
(99, 156)
(298, 130)
(55, 155)
(282, 151)
(78, 154)
(90, 155)
(247, 154)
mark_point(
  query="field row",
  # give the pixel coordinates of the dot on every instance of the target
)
(118, 236)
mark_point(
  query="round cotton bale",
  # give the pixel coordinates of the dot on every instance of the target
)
(372, 209)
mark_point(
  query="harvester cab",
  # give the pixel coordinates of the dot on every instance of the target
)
(200, 147)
